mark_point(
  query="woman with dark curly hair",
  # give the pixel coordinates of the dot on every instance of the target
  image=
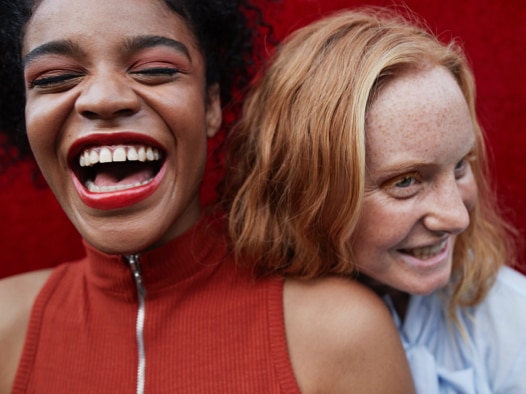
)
(121, 97)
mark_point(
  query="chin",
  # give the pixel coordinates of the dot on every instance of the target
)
(121, 243)
(428, 286)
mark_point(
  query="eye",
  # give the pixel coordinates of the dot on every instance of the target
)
(155, 75)
(55, 81)
(405, 182)
(403, 186)
(462, 167)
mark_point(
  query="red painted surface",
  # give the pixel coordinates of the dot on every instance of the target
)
(35, 232)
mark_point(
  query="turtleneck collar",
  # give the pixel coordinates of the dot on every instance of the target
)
(162, 267)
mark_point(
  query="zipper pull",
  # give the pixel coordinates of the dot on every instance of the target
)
(135, 267)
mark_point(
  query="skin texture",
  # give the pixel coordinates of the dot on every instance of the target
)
(341, 339)
(419, 179)
(15, 306)
(98, 87)
(114, 91)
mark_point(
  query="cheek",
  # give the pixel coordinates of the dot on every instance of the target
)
(40, 133)
(381, 227)
(44, 117)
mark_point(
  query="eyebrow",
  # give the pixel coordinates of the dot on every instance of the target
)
(59, 47)
(138, 43)
(134, 44)
(401, 168)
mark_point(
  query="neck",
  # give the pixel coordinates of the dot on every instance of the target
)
(399, 298)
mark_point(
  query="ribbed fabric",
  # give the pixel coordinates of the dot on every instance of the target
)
(210, 328)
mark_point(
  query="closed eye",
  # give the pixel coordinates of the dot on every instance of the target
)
(55, 82)
(155, 75)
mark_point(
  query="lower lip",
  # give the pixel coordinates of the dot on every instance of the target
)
(434, 262)
(118, 199)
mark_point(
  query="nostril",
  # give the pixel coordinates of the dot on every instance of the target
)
(124, 112)
(89, 115)
(92, 115)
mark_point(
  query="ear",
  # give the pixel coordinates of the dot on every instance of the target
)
(214, 114)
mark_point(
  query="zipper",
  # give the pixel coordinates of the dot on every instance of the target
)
(135, 267)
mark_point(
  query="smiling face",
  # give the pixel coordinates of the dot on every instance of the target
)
(117, 115)
(419, 186)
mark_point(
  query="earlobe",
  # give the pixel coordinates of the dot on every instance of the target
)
(214, 114)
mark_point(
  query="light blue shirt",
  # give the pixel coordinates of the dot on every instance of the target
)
(489, 359)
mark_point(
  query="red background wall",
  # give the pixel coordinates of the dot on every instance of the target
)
(35, 233)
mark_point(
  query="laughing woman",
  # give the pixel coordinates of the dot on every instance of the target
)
(359, 153)
(121, 97)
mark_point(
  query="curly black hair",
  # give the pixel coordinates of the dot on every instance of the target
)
(12, 97)
(226, 30)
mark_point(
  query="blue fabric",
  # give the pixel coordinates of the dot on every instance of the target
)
(489, 359)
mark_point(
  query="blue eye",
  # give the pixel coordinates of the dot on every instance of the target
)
(405, 182)
(463, 167)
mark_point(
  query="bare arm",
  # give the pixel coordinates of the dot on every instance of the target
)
(342, 339)
(17, 295)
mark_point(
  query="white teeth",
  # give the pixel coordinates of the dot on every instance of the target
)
(427, 252)
(106, 189)
(141, 154)
(149, 154)
(109, 154)
(93, 158)
(86, 157)
(132, 154)
(119, 154)
(105, 156)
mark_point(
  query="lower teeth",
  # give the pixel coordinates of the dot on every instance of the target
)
(106, 189)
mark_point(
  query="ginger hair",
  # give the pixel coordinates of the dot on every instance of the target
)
(296, 160)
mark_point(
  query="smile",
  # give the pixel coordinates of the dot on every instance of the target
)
(106, 169)
(116, 170)
(428, 252)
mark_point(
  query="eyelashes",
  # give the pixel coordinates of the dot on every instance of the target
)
(404, 186)
(53, 81)
(409, 184)
(155, 75)
(157, 71)
(57, 81)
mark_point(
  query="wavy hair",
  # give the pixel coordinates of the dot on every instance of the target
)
(296, 166)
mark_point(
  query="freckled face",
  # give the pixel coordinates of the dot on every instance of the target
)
(117, 116)
(419, 183)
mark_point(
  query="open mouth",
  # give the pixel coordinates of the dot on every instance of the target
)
(104, 169)
(428, 252)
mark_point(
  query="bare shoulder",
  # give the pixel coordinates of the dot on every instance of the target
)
(17, 294)
(340, 336)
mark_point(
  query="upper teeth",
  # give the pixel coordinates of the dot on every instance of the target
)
(120, 153)
(428, 251)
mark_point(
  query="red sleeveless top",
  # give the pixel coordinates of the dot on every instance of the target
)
(208, 326)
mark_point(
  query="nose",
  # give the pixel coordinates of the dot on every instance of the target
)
(107, 96)
(448, 210)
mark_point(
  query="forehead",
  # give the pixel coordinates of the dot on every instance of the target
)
(419, 115)
(104, 20)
